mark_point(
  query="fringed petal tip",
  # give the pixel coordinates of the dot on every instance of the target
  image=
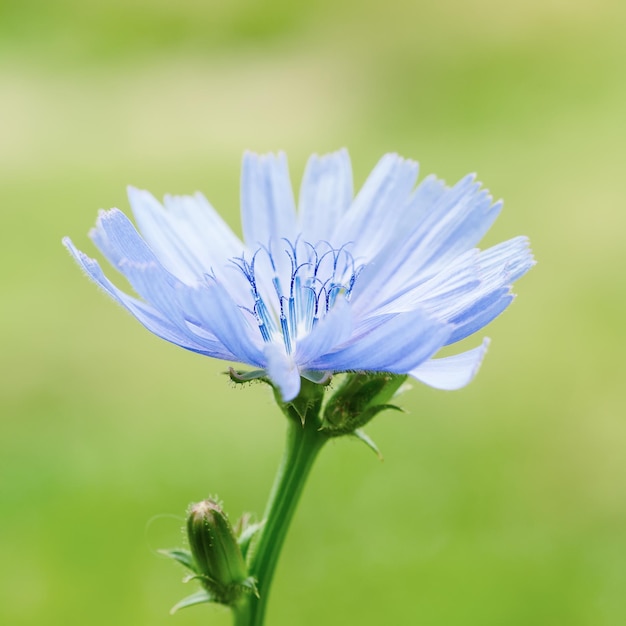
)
(452, 372)
(85, 262)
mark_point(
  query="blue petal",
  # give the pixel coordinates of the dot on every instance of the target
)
(446, 287)
(116, 237)
(372, 218)
(397, 343)
(216, 314)
(268, 211)
(177, 333)
(283, 371)
(480, 314)
(507, 261)
(325, 195)
(187, 235)
(471, 278)
(452, 372)
(331, 331)
(159, 231)
(454, 225)
(118, 240)
(426, 195)
(497, 268)
(212, 307)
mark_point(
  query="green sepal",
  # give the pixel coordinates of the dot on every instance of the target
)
(224, 595)
(201, 577)
(318, 377)
(200, 597)
(360, 398)
(184, 557)
(307, 404)
(358, 420)
(241, 376)
(250, 585)
(247, 535)
(368, 441)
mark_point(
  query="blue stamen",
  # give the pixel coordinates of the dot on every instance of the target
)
(268, 251)
(309, 308)
(277, 287)
(317, 276)
(286, 335)
(265, 333)
(292, 317)
(264, 318)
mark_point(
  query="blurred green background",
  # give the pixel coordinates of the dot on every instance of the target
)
(502, 504)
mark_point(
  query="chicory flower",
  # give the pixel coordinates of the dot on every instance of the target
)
(380, 281)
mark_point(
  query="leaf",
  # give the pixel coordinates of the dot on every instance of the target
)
(250, 584)
(200, 597)
(182, 556)
(359, 434)
(247, 535)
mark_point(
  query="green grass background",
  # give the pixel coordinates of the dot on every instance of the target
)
(503, 504)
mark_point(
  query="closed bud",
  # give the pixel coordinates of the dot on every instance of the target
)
(219, 562)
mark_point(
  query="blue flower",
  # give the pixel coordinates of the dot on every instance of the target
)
(379, 281)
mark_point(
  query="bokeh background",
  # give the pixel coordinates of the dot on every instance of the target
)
(502, 504)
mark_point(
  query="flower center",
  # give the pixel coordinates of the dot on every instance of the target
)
(295, 284)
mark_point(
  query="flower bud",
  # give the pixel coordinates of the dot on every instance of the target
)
(219, 562)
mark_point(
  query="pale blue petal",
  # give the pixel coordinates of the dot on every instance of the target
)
(472, 278)
(454, 225)
(283, 371)
(451, 372)
(268, 211)
(417, 209)
(325, 195)
(447, 287)
(206, 310)
(480, 314)
(397, 344)
(210, 239)
(118, 240)
(202, 228)
(377, 208)
(187, 235)
(211, 307)
(331, 331)
(152, 319)
(217, 314)
(426, 195)
(496, 269)
(507, 261)
(165, 240)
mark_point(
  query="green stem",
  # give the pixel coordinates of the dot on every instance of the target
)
(304, 441)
